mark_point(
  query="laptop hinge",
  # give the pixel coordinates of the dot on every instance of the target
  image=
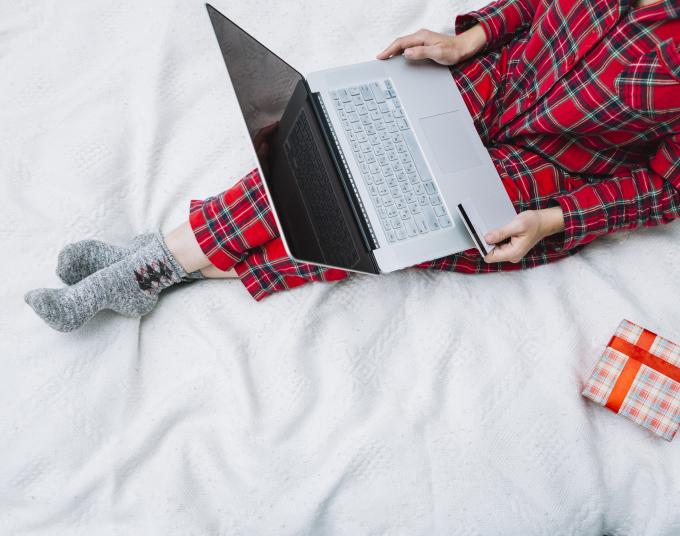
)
(365, 227)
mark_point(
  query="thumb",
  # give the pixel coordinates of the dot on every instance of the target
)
(432, 52)
(498, 235)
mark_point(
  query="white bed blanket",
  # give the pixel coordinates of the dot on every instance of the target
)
(416, 403)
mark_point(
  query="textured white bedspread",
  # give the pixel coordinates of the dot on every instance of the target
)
(417, 403)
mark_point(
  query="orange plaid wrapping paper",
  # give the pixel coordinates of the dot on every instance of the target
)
(638, 376)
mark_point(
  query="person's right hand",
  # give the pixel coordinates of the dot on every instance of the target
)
(442, 48)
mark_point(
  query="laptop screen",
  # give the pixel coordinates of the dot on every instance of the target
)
(263, 82)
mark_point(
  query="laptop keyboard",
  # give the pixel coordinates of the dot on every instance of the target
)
(392, 165)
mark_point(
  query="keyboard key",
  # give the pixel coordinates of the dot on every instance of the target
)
(402, 124)
(362, 110)
(394, 190)
(406, 188)
(410, 197)
(418, 159)
(348, 108)
(375, 115)
(401, 176)
(366, 92)
(371, 105)
(334, 95)
(411, 227)
(400, 203)
(353, 117)
(392, 181)
(415, 208)
(378, 179)
(435, 200)
(444, 221)
(370, 158)
(382, 213)
(370, 129)
(356, 99)
(396, 223)
(423, 200)
(405, 213)
(420, 223)
(378, 94)
(386, 224)
(439, 210)
(344, 96)
(354, 91)
(383, 190)
(429, 188)
(413, 179)
(356, 127)
(391, 237)
(392, 212)
(401, 233)
(432, 220)
(405, 158)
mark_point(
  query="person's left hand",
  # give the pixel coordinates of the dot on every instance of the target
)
(523, 233)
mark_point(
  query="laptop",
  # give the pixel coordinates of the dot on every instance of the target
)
(371, 167)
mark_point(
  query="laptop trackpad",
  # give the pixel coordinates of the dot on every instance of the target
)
(450, 142)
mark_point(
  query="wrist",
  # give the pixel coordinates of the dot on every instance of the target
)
(551, 221)
(472, 41)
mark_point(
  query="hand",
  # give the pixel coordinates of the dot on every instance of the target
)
(523, 233)
(442, 48)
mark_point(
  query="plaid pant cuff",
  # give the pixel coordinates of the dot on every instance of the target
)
(219, 256)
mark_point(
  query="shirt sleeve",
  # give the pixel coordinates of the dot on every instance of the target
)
(500, 20)
(645, 196)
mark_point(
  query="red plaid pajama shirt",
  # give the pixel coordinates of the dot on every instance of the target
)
(578, 104)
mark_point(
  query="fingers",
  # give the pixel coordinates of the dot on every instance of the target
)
(433, 52)
(402, 43)
(498, 235)
(512, 251)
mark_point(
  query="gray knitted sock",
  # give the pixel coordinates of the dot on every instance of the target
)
(129, 287)
(78, 260)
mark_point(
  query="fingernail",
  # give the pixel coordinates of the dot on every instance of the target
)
(488, 237)
(408, 52)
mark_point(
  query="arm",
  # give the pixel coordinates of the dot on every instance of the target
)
(499, 20)
(479, 30)
(643, 196)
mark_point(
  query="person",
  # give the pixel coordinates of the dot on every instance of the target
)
(578, 104)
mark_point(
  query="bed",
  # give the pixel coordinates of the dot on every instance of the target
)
(415, 403)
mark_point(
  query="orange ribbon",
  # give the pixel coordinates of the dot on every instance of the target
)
(639, 355)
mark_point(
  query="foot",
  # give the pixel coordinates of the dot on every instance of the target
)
(78, 260)
(129, 287)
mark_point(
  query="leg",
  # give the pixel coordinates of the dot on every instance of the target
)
(182, 244)
(236, 229)
(210, 272)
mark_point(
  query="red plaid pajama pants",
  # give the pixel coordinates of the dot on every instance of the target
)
(236, 229)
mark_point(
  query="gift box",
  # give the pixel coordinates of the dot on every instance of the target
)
(638, 376)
